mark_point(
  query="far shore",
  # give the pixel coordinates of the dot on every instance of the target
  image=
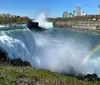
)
(83, 30)
(92, 26)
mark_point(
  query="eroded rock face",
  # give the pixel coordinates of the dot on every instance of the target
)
(3, 55)
(19, 62)
(15, 62)
(35, 26)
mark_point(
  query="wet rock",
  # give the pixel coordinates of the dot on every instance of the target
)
(5, 60)
(19, 62)
(3, 55)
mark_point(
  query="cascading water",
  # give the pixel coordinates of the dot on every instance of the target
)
(16, 45)
(56, 50)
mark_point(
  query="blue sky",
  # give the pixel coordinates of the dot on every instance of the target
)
(55, 8)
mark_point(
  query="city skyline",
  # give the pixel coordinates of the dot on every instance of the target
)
(55, 8)
(78, 12)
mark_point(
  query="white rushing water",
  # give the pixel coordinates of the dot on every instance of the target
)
(43, 50)
(41, 18)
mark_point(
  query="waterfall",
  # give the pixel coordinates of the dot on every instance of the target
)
(48, 50)
(18, 43)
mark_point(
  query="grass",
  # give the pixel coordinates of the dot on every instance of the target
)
(6, 81)
(14, 75)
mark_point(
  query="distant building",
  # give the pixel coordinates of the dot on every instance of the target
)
(99, 9)
(65, 14)
(71, 15)
(68, 15)
(78, 11)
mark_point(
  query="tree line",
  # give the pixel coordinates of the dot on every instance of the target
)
(77, 18)
(9, 19)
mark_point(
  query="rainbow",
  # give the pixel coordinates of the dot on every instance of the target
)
(90, 53)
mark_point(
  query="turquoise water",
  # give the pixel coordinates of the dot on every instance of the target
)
(55, 49)
(79, 36)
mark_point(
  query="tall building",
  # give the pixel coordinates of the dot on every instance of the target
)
(99, 9)
(65, 14)
(68, 15)
(78, 11)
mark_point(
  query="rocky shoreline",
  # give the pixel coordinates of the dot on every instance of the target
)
(91, 26)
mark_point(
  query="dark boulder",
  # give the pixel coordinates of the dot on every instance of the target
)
(19, 62)
(3, 55)
(5, 60)
(34, 26)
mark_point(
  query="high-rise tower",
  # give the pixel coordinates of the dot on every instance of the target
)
(99, 9)
(65, 14)
(78, 11)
